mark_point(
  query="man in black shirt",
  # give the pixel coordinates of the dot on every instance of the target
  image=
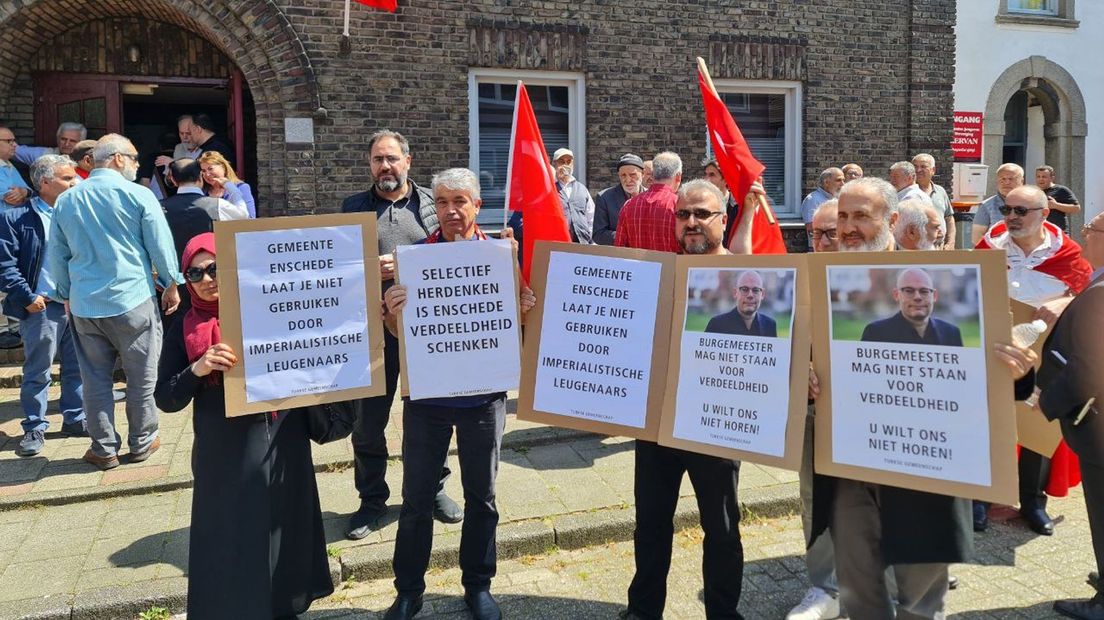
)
(1061, 200)
(745, 319)
(205, 137)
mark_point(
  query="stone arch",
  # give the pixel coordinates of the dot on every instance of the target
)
(1064, 117)
(255, 34)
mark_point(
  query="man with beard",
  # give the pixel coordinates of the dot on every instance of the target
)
(577, 204)
(1045, 269)
(648, 178)
(745, 319)
(916, 296)
(919, 226)
(108, 239)
(699, 223)
(630, 171)
(875, 527)
(405, 215)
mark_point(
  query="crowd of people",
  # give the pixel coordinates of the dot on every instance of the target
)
(93, 269)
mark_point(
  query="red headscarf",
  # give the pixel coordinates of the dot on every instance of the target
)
(201, 323)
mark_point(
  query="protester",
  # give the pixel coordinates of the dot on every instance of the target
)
(13, 189)
(1009, 177)
(919, 226)
(1061, 199)
(648, 219)
(607, 208)
(405, 215)
(108, 238)
(205, 138)
(925, 171)
(697, 224)
(82, 155)
(186, 148)
(428, 426)
(577, 204)
(828, 187)
(1045, 268)
(68, 135)
(875, 527)
(903, 177)
(648, 180)
(825, 235)
(31, 298)
(852, 172)
(711, 172)
(257, 547)
(220, 181)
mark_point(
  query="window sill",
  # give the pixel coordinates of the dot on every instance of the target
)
(1037, 20)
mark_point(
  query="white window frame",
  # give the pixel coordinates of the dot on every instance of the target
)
(576, 113)
(793, 92)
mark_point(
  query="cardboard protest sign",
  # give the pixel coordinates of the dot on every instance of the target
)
(1033, 430)
(459, 333)
(739, 371)
(595, 354)
(299, 304)
(912, 394)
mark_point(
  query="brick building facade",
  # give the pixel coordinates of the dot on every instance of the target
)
(862, 81)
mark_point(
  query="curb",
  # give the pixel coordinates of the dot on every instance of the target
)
(515, 539)
(522, 438)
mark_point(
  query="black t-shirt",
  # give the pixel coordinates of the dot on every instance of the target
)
(1062, 195)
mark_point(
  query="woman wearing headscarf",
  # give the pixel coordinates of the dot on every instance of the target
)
(257, 548)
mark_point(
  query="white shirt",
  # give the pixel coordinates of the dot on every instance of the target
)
(1024, 283)
(914, 192)
(227, 210)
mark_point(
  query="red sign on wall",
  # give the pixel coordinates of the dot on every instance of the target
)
(966, 143)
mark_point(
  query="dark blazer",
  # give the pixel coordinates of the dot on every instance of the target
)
(189, 215)
(1077, 337)
(22, 250)
(732, 323)
(897, 329)
(222, 146)
(606, 210)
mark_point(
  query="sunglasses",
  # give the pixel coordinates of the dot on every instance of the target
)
(702, 215)
(195, 274)
(1020, 211)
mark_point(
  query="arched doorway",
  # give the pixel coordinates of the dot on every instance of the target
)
(180, 48)
(1028, 89)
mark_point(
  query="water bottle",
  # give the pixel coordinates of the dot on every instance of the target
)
(1025, 334)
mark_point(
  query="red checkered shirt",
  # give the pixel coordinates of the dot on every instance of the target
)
(647, 221)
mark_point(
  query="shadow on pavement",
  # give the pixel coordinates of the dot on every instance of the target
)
(579, 453)
(513, 606)
(336, 523)
(1040, 610)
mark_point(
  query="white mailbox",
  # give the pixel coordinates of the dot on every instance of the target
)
(970, 181)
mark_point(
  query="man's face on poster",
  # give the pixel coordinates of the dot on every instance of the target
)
(748, 293)
(915, 295)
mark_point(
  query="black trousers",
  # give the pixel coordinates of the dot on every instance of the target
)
(427, 431)
(1092, 482)
(370, 444)
(659, 473)
(1034, 473)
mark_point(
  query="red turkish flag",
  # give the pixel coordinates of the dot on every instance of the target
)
(387, 5)
(531, 190)
(740, 169)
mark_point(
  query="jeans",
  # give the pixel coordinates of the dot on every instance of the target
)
(134, 336)
(47, 335)
(427, 431)
(659, 473)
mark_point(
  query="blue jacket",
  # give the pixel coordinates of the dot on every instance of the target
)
(22, 250)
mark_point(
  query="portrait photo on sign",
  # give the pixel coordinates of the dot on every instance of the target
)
(936, 305)
(744, 302)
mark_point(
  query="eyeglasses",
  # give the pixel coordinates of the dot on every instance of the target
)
(195, 274)
(1020, 211)
(744, 290)
(820, 233)
(923, 292)
(8, 140)
(702, 215)
(1086, 228)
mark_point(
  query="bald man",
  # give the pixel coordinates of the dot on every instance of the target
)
(915, 295)
(745, 319)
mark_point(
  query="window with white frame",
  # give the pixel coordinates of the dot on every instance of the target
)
(1060, 13)
(558, 102)
(768, 114)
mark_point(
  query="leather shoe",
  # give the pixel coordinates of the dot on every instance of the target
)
(103, 462)
(404, 608)
(981, 516)
(1083, 609)
(148, 452)
(482, 605)
(1039, 521)
(363, 522)
(1094, 579)
(446, 510)
(627, 614)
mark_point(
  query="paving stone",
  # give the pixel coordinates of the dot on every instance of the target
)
(38, 578)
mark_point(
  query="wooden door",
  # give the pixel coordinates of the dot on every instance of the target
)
(90, 101)
(235, 124)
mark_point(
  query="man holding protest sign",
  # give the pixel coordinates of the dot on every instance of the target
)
(404, 215)
(478, 420)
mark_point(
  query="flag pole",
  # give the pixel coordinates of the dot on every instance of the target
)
(510, 159)
(346, 31)
(713, 89)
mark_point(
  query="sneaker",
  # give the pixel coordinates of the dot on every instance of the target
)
(32, 443)
(76, 429)
(817, 605)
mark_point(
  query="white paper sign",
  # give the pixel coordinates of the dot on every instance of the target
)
(734, 379)
(595, 353)
(304, 314)
(460, 321)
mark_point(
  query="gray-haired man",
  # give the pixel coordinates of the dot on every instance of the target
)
(828, 187)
